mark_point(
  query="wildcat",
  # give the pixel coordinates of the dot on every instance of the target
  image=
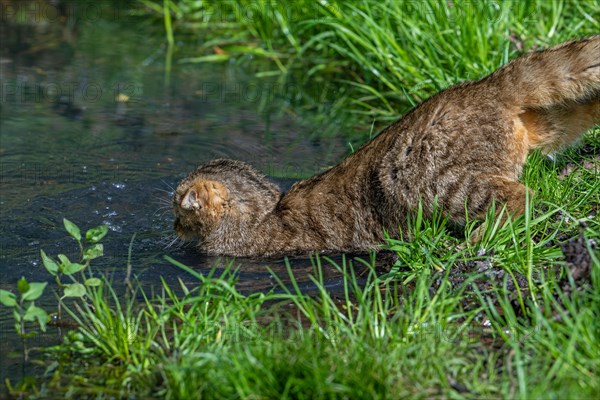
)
(465, 146)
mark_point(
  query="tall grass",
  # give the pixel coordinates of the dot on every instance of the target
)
(505, 320)
(383, 56)
(380, 338)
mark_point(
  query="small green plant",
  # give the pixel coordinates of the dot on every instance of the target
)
(25, 310)
(68, 268)
(426, 243)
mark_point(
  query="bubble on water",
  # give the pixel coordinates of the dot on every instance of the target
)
(112, 227)
(110, 214)
(119, 185)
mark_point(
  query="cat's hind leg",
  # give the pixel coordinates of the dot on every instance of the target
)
(510, 199)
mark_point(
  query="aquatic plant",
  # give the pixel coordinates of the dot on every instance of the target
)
(25, 310)
(67, 268)
(24, 306)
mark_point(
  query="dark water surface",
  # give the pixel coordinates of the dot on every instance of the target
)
(91, 131)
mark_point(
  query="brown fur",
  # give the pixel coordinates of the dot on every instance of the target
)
(464, 146)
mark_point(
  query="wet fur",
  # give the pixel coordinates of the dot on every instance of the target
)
(464, 146)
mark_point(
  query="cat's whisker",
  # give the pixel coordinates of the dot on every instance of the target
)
(173, 241)
(162, 199)
(167, 185)
(164, 209)
(169, 192)
(161, 211)
(166, 240)
(163, 206)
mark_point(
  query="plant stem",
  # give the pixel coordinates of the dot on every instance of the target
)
(22, 333)
(170, 41)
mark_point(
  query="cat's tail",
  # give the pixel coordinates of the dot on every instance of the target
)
(555, 93)
(561, 74)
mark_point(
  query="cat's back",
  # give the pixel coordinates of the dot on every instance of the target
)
(441, 146)
(466, 123)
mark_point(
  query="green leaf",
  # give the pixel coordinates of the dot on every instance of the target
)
(252, 50)
(92, 282)
(17, 317)
(73, 268)
(74, 290)
(53, 366)
(49, 263)
(64, 262)
(35, 291)
(208, 58)
(7, 298)
(22, 285)
(96, 234)
(72, 229)
(36, 313)
(95, 251)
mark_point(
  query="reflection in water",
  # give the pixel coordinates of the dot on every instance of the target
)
(91, 132)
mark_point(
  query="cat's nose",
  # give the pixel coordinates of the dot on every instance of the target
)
(190, 201)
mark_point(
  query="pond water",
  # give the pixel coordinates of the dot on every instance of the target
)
(92, 131)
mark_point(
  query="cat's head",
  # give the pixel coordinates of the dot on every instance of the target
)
(222, 197)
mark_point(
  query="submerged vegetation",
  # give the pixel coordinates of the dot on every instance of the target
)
(518, 316)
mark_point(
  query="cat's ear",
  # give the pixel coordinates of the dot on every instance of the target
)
(204, 194)
(190, 200)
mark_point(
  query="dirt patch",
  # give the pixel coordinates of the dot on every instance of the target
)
(578, 259)
(481, 276)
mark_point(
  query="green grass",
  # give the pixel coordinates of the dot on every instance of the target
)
(380, 341)
(375, 57)
(413, 331)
